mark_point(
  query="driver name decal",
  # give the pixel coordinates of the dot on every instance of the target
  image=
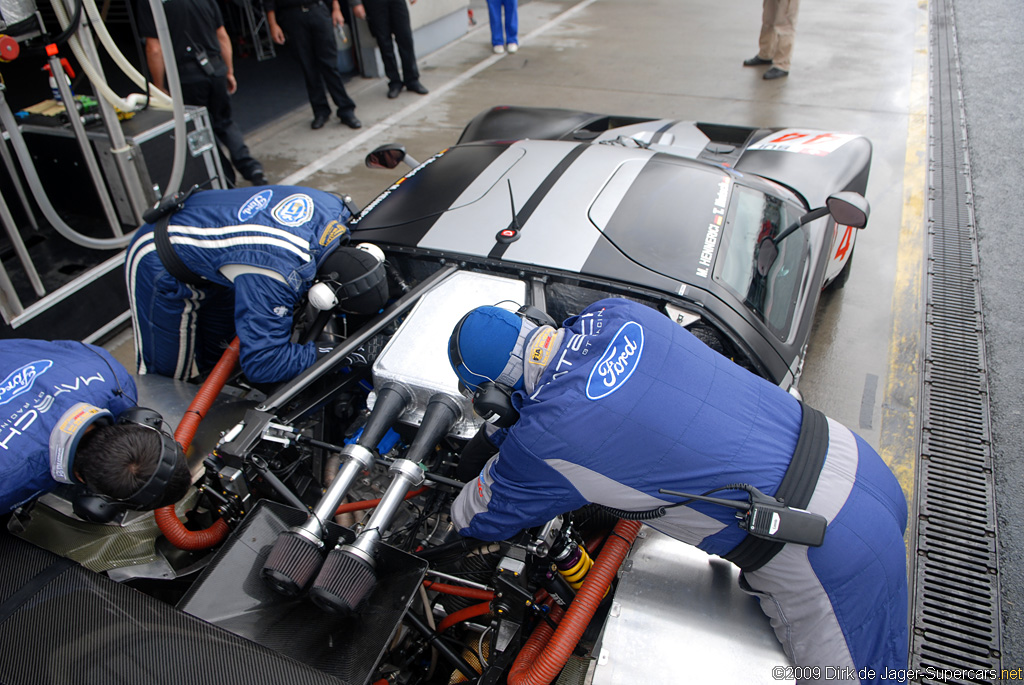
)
(21, 380)
(707, 253)
(618, 362)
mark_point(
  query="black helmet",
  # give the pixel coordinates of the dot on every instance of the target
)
(351, 279)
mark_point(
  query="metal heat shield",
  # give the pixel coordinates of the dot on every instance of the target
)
(231, 595)
(417, 355)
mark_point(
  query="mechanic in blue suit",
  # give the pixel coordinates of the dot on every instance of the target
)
(622, 402)
(58, 402)
(238, 262)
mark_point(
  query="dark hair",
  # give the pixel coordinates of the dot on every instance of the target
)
(116, 461)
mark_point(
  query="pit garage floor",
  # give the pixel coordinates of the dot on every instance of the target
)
(864, 66)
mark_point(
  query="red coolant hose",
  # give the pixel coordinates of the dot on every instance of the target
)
(371, 503)
(459, 590)
(547, 651)
(172, 528)
(463, 615)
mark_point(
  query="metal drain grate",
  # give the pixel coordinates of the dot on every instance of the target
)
(956, 593)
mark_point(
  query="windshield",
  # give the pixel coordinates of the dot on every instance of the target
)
(754, 216)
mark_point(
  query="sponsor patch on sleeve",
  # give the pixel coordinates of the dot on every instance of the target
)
(254, 205)
(332, 232)
(294, 210)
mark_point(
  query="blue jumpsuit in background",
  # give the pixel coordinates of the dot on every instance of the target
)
(260, 249)
(41, 381)
(629, 403)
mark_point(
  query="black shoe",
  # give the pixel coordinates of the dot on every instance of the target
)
(756, 61)
(318, 121)
(417, 87)
(393, 90)
(774, 73)
(349, 119)
(258, 179)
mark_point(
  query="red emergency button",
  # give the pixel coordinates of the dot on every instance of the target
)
(9, 49)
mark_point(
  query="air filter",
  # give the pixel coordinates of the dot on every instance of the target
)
(344, 582)
(291, 564)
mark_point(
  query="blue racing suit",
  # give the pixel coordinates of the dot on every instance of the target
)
(41, 381)
(259, 248)
(628, 403)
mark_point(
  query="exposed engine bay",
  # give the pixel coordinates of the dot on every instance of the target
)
(339, 553)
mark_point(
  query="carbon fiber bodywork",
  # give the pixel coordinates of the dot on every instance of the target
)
(60, 623)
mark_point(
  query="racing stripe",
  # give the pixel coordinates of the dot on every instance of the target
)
(483, 208)
(498, 251)
(187, 335)
(202, 232)
(240, 242)
(562, 232)
(138, 250)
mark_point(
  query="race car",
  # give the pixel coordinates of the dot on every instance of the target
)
(732, 231)
(280, 575)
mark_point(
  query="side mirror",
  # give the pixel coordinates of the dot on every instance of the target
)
(846, 207)
(385, 157)
(849, 209)
(388, 157)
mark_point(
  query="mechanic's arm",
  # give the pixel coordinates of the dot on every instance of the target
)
(514, 491)
(155, 62)
(358, 11)
(225, 54)
(263, 321)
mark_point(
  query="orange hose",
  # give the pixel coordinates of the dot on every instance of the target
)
(172, 528)
(371, 503)
(541, 659)
(464, 614)
(459, 590)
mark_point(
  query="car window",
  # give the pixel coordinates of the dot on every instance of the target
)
(752, 217)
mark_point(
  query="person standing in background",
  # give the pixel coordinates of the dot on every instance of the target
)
(308, 27)
(775, 45)
(504, 35)
(202, 53)
(389, 18)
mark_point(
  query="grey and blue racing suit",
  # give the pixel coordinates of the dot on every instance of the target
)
(630, 403)
(259, 250)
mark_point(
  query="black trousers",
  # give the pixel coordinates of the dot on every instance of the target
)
(212, 92)
(389, 18)
(309, 35)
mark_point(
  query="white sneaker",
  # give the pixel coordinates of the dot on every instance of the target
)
(499, 49)
(512, 48)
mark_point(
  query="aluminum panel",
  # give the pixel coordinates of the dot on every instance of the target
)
(679, 616)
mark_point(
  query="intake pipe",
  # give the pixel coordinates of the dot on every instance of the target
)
(349, 574)
(297, 553)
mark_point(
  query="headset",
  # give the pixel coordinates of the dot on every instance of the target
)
(327, 291)
(99, 508)
(492, 400)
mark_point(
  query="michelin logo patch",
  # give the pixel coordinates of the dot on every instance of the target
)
(21, 380)
(294, 210)
(255, 204)
(618, 362)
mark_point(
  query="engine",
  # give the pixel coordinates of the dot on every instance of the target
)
(337, 489)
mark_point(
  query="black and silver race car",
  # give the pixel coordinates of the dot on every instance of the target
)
(282, 577)
(699, 217)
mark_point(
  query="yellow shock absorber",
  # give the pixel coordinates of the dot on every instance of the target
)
(575, 567)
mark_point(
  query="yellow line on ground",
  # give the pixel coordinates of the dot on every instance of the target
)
(901, 404)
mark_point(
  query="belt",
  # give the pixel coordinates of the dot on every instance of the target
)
(170, 259)
(795, 490)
